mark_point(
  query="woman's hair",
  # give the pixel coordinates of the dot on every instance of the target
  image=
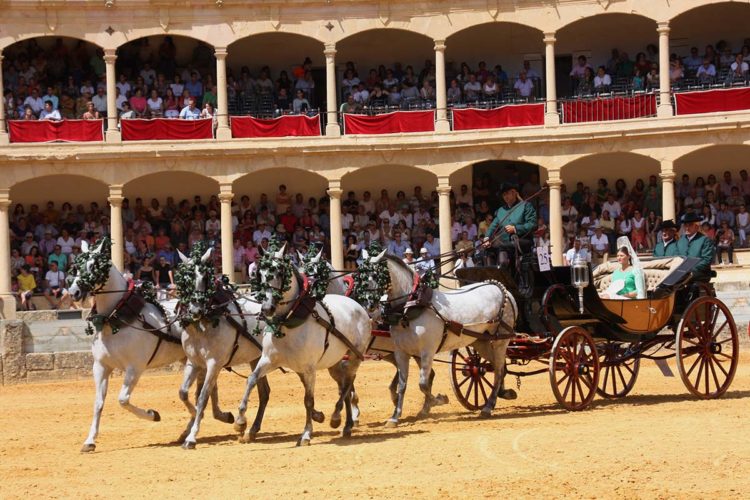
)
(625, 251)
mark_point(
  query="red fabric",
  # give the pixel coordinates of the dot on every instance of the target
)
(610, 108)
(390, 123)
(711, 101)
(49, 131)
(521, 115)
(284, 126)
(166, 129)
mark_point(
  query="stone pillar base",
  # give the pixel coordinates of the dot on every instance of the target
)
(7, 307)
(442, 125)
(333, 130)
(664, 111)
(223, 133)
(4, 138)
(551, 119)
(113, 136)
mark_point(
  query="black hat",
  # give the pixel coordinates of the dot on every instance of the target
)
(667, 224)
(691, 217)
(507, 186)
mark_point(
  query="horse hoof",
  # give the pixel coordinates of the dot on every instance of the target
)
(228, 418)
(240, 426)
(335, 421)
(318, 416)
(423, 414)
(303, 442)
(355, 423)
(346, 433)
(244, 439)
(509, 394)
(485, 413)
(188, 445)
(440, 399)
(88, 448)
(391, 424)
(155, 415)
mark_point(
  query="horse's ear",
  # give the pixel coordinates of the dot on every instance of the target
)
(316, 259)
(365, 255)
(183, 258)
(379, 257)
(84, 246)
(280, 253)
(207, 255)
(301, 257)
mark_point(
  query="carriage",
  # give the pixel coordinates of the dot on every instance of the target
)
(589, 345)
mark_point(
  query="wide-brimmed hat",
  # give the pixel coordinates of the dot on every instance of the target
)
(409, 251)
(667, 224)
(691, 217)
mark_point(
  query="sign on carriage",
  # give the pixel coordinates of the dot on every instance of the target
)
(542, 256)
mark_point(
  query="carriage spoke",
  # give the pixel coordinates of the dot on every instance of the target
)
(468, 390)
(481, 386)
(622, 377)
(725, 355)
(700, 372)
(713, 373)
(692, 367)
(723, 325)
(730, 339)
(468, 377)
(627, 367)
(606, 377)
(476, 394)
(706, 376)
(562, 379)
(588, 381)
(721, 367)
(567, 388)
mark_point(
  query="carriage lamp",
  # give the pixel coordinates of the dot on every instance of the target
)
(579, 277)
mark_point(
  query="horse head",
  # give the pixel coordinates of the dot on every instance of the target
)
(91, 269)
(371, 281)
(195, 278)
(272, 280)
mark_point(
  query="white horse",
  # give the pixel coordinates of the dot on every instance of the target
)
(218, 334)
(144, 339)
(309, 345)
(484, 310)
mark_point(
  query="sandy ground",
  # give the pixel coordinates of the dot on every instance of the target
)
(658, 442)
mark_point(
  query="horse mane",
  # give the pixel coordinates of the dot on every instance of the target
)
(401, 264)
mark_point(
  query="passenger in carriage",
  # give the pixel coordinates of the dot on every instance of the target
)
(667, 247)
(696, 244)
(624, 283)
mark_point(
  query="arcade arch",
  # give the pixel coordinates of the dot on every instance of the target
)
(179, 185)
(59, 188)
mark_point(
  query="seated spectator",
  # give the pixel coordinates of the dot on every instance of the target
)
(579, 71)
(524, 86)
(34, 102)
(490, 89)
(472, 89)
(350, 105)
(602, 81)
(693, 61)
(361, 95)
(208, 111)
(427, 92)
(100, 101)
(190, 112)
(725, 243)
(454, 92)
(54, 290)
(155, 105)
(706, 71)
(127, 113)
(739, 68)
(26, 286)
(586, 82)
(48, 113)
(138, 103)
(28, 114)
(676, 71)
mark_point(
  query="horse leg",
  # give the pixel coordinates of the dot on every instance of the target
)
(219, 415)
(350, 374)
(402, 363)
(354, 402)
(209, 385)
(189, 375)
(437, 399)
(261, 370)
(425, 384)
(101, 380)
(264, 394)
(337, 373)
(131, 379)
(498, 362)
(394, 382)
(308, 380)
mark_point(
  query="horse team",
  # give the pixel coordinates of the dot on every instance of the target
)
(281, 323)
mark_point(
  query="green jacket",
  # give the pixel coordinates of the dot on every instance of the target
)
(669, 251)
(701, 247)
(523, 218)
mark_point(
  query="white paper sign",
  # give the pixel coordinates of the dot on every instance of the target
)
(542, 256)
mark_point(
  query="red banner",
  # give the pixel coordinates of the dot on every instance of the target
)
(712, 101)
(611, 108)
(397, 122)
(160, 129)
(521, 115)
(51, 131)
(283, 126)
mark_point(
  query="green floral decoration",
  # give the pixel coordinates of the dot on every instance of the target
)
(272, 267)
(368, 272)
(318, 273)
(185, 282)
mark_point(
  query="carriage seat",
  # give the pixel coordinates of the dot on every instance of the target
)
(654, 272)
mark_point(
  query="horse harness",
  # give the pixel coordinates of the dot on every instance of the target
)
(130, 307)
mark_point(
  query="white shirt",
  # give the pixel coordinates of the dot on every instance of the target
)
(55, 278)
(744, 68)
(599, 243)
(572, 254)
(602, 81)
(702, 70)
(524, 87)
(51, 115)
(613, 208)
(258, 235)
(124, 88)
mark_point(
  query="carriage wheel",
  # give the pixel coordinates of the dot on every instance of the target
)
(616, 380)
(707, 347)
(470, 378)
(574, 368)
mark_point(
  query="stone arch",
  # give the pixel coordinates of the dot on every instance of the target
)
(59, 188)
(610, 166)
(179, 184)
(393, 177)
(309, 183)
(9, 41)
(726, 157)
(707, 24)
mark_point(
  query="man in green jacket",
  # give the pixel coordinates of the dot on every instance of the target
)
(667, 247)
(696, 244)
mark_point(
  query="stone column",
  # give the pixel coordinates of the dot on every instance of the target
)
(332, 125)
(113, 133)
(441, 91)
(551, 116)
(115, 219)
(337, 244)
(667, 190)
(227, 243)
(444, 225)
(665, 97)
(222, 109)
(6, 298)
(555, 219)
(4, 138)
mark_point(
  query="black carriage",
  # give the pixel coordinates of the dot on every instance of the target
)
(590, 345)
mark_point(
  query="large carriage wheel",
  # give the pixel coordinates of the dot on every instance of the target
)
(574, 368)
(616, 380)
(470, 378)
(707, 347)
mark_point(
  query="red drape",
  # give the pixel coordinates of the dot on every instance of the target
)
(520, 115)
(390, 123)
(50, 131)
(284, 126)
(611, 108)
(166, 129)
(711, 101)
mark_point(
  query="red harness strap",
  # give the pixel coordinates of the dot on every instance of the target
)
(349, 280)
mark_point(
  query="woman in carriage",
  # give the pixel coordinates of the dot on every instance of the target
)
(627, 281)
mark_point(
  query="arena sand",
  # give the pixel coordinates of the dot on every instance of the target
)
(658, 442)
